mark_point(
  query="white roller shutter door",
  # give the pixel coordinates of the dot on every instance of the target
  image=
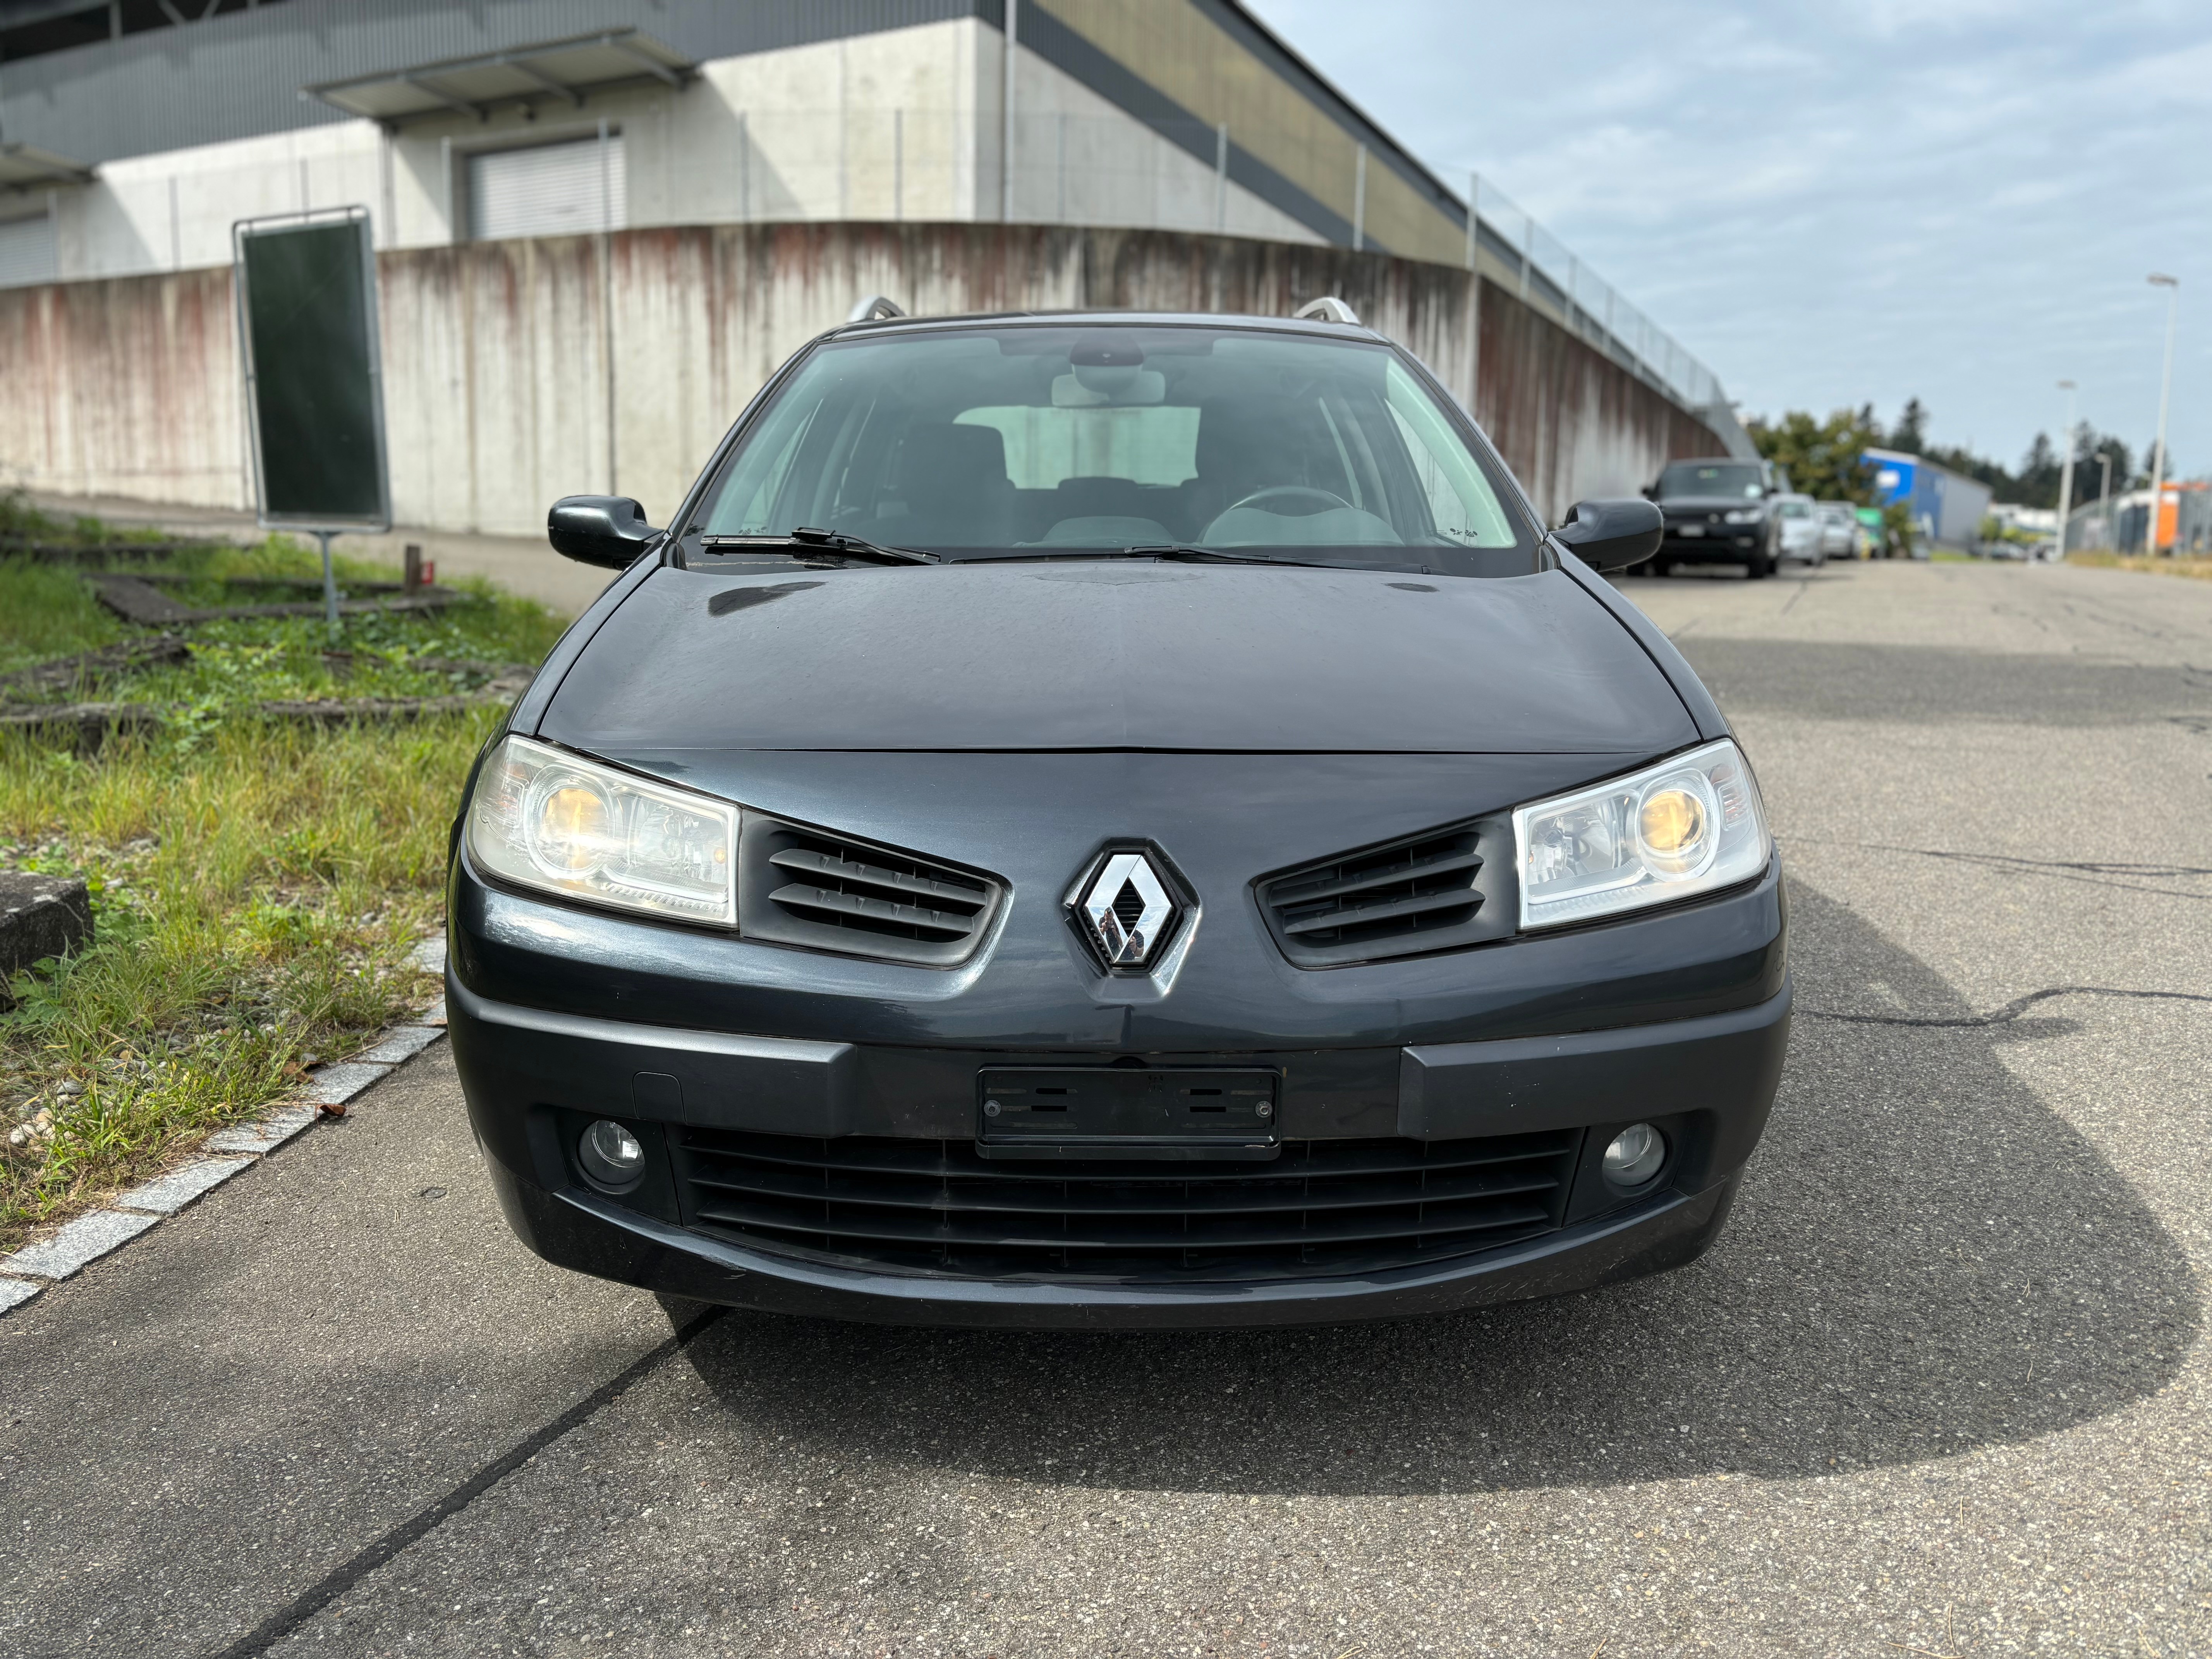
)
(548, 189)
(26, 251)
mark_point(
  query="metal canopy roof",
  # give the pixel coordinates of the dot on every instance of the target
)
(23, 167)
(564, 69)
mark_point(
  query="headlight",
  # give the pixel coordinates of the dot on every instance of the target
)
(544, 818)
(1741, 515)
(1686, 825)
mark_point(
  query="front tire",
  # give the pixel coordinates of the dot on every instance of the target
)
(1758, 566)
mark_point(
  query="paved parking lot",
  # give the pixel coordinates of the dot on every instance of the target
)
(1941, 1389)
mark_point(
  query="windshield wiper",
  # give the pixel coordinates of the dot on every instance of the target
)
(1168, 552)
(1215, 556)
(831, 542)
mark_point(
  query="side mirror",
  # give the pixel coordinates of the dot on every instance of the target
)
(1612, 535)
(602, 530)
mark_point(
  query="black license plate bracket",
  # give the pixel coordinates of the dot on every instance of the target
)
(1113, 1112)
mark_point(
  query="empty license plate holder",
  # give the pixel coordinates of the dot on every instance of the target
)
(1098, 1111)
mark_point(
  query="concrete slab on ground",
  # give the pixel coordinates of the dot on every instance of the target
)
(1941, 1387)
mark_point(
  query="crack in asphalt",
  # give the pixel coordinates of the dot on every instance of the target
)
(356, 1567)
(2011, 1011)
(2086, 871)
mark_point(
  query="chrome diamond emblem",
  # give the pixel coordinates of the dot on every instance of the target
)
(1127, 911)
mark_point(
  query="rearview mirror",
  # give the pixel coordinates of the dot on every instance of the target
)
(1612, 535)
(601, 530)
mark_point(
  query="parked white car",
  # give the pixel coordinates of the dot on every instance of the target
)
(1801, 536)
(1840, 530)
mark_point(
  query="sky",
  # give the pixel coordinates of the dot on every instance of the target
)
(1831, 205)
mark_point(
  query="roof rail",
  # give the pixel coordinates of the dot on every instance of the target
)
(873, 309)
(1327, 309)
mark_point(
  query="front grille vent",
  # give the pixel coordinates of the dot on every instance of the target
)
(799, 886)
(1323, 1207)
(1442, 890)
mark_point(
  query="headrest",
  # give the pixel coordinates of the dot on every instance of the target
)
(1226, 443)
(942, 456)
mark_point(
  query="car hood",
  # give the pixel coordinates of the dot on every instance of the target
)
(1114, 656)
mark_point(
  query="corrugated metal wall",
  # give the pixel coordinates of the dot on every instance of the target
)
(519, 371)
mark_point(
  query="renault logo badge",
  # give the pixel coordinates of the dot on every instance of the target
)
(1127, 911)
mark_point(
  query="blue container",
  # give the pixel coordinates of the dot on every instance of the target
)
(1944, 506)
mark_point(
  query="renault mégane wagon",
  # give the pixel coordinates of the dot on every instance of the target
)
(1113, 820)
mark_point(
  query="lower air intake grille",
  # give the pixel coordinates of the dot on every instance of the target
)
(799, 886)
(1447, 889)
(1324, 1208)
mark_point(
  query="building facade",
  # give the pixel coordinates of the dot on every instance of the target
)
(600, 224)
(135, 133)
(1947, 508)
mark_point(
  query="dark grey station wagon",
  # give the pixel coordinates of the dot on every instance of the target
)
(1113, 820)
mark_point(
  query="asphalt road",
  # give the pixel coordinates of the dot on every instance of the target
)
(1940, 1387)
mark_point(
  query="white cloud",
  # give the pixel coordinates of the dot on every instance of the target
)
(1955, 199)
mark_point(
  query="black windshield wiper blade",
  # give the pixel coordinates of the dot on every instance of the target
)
(1216, 555)
(830, 543)
(1166, 551)
(836, 541)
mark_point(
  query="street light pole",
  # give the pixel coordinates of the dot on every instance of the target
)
(2172, 287)
(2066, 472)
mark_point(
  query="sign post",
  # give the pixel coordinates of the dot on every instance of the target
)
(314, 387)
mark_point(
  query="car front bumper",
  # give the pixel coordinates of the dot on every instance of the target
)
(1703, 1068)
(1717, 544)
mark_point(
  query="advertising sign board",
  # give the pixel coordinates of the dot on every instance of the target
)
(314, 389)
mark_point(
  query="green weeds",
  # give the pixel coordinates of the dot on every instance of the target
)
(258, 885)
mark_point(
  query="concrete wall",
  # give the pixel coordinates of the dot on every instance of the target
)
(517, 372)
(1571, 420)
(128, 387)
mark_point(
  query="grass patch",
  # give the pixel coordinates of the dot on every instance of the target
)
(2199, 569)
(256, 885)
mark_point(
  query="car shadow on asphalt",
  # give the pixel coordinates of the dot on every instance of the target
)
(1934, 684)
(1924, 1260)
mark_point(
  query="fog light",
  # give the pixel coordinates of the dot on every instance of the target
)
(611, 1154)
(1635, 1155)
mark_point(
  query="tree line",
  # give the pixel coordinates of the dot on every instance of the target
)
(1822, 457)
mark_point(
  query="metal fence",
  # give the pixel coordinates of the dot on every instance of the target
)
(1549, 274)
(2119, 526)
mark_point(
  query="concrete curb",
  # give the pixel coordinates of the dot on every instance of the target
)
(34, 1268)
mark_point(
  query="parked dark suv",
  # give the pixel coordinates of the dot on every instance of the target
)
(1719, 512)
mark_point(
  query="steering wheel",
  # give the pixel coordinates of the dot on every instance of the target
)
(1327, 498)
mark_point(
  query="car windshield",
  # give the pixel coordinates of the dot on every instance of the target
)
(1711, 478)
(1026, 441)
(1796, 510)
